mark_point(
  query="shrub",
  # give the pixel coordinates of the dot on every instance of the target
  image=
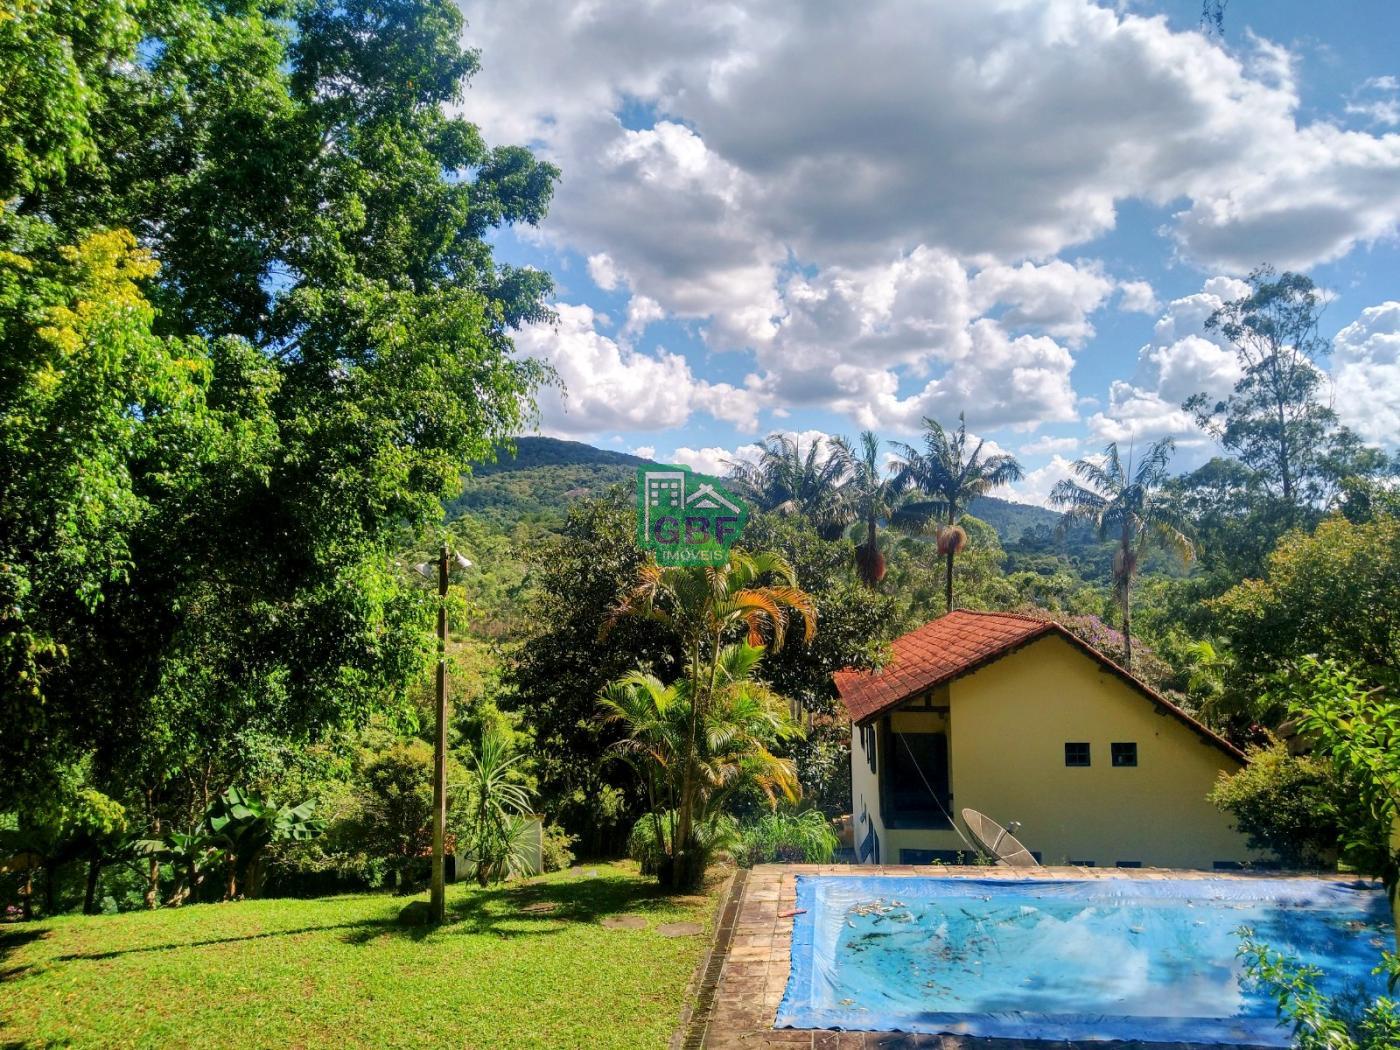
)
(1285, 804)
(788, 838)
(1320, 1021)
(558, 851)
(396, 806)
(497, 808)
(719, 834)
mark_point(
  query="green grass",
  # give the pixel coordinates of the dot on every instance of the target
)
(340, 971)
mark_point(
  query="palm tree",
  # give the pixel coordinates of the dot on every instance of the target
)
(871, 494)
(787, 480)
(705, 606)
(950, 478)
(1129, 507)
(741, 723)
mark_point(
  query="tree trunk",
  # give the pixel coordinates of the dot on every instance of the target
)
(90, 892)
(231, 890)
(253, 877)
(681, 860)
(1127, 627)
(26, 894)
(948, 581)
(153, 873)
(1285, 471)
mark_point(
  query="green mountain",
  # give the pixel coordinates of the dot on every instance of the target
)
(533, 452)
(1011, 519)
(538, 481)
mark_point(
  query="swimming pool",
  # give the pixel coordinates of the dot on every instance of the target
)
(1103, 958)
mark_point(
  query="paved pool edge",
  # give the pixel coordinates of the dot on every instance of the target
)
(755, 971)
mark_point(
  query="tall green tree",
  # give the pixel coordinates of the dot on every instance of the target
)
(787, 480)
(1275, 420)
(1334, 592)
(101, 419)
(753, 594)
(338, 340)
(1127, 506)
(872, 496)
(559, 666)
(944, 477)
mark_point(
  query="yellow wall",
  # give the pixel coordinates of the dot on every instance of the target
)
(865, 795)
(1008, 726)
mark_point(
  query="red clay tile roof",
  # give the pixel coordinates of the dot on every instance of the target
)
(960, 643)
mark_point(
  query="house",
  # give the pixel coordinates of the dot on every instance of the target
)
(1016, 717)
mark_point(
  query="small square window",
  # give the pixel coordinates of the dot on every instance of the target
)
(1077, 754)
(1124, 754)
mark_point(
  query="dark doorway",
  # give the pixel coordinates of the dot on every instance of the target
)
(915, 782)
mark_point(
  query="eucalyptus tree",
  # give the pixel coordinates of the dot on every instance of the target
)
(1274, 420)
(872, 495)
(943, 478)
(753, 595)
(1127, 505)
(788, 480)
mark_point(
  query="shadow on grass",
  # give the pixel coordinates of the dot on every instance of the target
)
(528, 909)
(504, 910)
(12, 938)
(118, 952)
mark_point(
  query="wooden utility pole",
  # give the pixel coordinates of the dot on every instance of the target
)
(437, 905)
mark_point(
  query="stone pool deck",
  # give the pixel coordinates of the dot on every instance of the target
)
(748, 971)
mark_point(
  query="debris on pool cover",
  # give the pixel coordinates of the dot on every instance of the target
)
(1075, 959)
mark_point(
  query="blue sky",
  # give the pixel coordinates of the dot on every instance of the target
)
(819, 219)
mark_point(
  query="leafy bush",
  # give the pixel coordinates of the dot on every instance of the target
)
(1358, 730)
(788, 838)
(498, 806)
(649, 843)
(1285, 804)
(823, 759)
(558, 851)
(1322, 1022)
(396, 806)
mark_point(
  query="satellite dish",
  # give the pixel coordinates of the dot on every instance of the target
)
(998, 841)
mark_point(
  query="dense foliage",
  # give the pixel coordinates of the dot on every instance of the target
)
(1358, 732)
(787, 837)
(1332, 592)
(1287, 805)
(712, 730)
(250, 332)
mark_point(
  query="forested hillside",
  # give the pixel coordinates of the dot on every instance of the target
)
(542, 476)
(539, 481)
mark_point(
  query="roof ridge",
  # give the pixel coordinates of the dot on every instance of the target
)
(1028, 617)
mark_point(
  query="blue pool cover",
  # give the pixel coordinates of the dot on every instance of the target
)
(1152, 960)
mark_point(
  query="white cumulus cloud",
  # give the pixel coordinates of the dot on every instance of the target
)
(1366, 374)
(609, 386)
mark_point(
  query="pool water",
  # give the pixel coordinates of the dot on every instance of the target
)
(1070, 959)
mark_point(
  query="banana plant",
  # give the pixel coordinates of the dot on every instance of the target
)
(190, 853)
(244, 824)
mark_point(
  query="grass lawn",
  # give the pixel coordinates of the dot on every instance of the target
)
(339, 971)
